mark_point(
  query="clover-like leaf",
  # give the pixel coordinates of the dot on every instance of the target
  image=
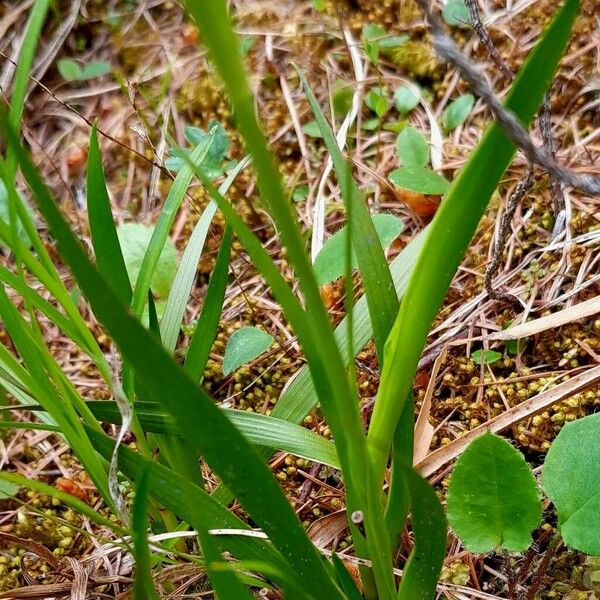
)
(570, 477)
(244, 345)
(493, 500)
(485, 357)
(406, 98)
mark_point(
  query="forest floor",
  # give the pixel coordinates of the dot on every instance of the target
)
(159, 82)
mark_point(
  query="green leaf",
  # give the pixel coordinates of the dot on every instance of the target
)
(412, 148)
(376, 100)
(341, 97)
(371, 124)
(493, 500)
(5, 214)
(105, 241)
(456, 14)
(143, 586)
(261, 430)
(570, 478)
(94, 69)
(300, 193)
(457, 111)
(485, 357)
(311, 129)
(208, 323)
(422, 570)
(8, 489)
(184, 279)
(134, 239)
(245, 345)
(407, 97)
(330, 261)
(69, 69)
(420, 180)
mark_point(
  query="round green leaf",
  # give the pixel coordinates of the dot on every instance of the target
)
(493, 500)
(69, 69)
(96, 68)
(134, 239)
(244, 345)
(406, 98)
(420, 180)
(570, 477)
(457, 111)
(456, 14)
(412, 148)
(487, 357)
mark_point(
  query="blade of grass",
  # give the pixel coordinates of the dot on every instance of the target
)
(202, 424)
(184, 279)
(450, 233)
(261, 430)
(421, 572)
(206, 328)
(377, 280)
(69, 500)
(105, 241)
(143, 585)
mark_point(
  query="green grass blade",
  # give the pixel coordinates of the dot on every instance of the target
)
(221, 574)
(300, 396)
(143, 586)
(227, 452)
(261, 430)
(192, 504)
(377, 280)
(421, 571)
(29, 44)
(184, 279)
(107, 249)
(450, 233)
(69, 500)
(165, 221)
(206, 328)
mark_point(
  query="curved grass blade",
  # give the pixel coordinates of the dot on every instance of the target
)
(201, 423)
(165, 221)
(69, 500)
(107, 249)
(261, 430)
(143, 586)
(377, 280)
(206, 328)
(186, 273)
(450, 233)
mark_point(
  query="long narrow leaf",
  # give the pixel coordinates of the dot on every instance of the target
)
(188, 267)
(377, 280)
(451, 231)
(105, 241)
(208, 323)
(261, 430)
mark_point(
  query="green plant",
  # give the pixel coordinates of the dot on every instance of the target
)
(163, 399)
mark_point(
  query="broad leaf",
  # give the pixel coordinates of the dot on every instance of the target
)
(406, 98)
(485, 357)
(245, 345)
(412, 148)
(457, 111)
(493, 500)
(135, 239)
(570, 477)
(420, 180)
